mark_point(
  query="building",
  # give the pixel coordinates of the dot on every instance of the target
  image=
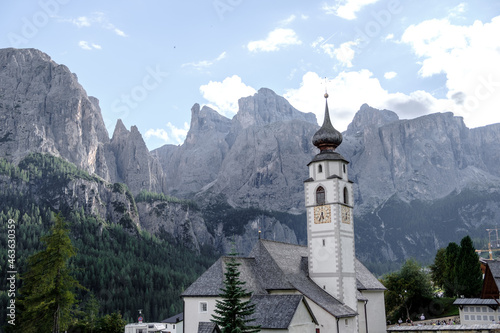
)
(174, 324)
(320, 287)
(145, 328)
(483, 310)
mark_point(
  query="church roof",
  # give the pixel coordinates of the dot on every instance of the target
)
(276, 311)
(279, 266)
(365, 279)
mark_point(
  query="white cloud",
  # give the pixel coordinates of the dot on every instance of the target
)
(82, 21)
(347, 9)
(88, 46)
(98, 18)
(344, 53)
(389, 37)
(159, 133)
(224, 95)
(275, 40)
(349, 90)
(204, 63)
(288, 20)
(458, 11)
(469, 57)
(390, 75)
(171, 135)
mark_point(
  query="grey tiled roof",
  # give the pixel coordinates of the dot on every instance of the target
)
(494, 266)
(174, 319)
(211, 282)
(207, 327)
(280, 266)
(276, 311)
(365, 279)
(475, 301)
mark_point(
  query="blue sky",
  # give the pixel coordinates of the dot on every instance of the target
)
(148, 62)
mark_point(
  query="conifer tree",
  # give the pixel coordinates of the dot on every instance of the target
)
(47, 298)
(438, 268)
(232, 313)
(468, 270)
(452, 252)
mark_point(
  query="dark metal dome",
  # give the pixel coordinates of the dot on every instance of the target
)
(327, 138)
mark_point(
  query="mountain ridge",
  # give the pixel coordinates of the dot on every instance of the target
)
(255, 164)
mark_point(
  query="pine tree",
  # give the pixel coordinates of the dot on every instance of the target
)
(468, 270)
(232, 313)
(438, 269)
(452, 251)
(47, 298)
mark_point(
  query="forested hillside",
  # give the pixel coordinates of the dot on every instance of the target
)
(125, 267)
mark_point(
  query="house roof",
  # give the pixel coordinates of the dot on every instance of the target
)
(174, 319)
(280, 266)
(208, 327)
(476, 301)
(276, 311)
(494, 267)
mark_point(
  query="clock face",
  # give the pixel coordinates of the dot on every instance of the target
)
(346, 214)
(322, 214)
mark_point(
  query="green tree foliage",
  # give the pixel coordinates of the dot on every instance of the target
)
(47, 295)
(468, 270)
(233, 311)
(438, 269)
(407, 290)
(457, 270)
(113, 323)
(452, 251)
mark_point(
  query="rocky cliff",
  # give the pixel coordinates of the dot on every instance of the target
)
(44, 109)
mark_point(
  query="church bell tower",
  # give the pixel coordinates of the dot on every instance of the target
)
(330, 232)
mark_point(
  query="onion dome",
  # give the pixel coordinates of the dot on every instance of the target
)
(327, 138)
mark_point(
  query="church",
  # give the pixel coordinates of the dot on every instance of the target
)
(317, 288)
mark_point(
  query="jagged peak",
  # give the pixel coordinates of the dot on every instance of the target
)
(266, 107)
(369, 116)
(120, 129)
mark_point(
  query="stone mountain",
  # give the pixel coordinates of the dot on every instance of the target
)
(419, 183)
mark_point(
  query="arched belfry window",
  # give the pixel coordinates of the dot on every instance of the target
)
(346, 196)
(320, 196)
(320, 168)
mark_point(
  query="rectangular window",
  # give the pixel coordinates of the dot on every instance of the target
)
(466, 309)
(472, 317)
(490, 310)
(492, 318)
(478, 309)
(346, 322)
(485, 317)
(485, 309)
(466, 317)
(203, 307)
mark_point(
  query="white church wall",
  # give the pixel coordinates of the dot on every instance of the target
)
(376, 311)
(302, 322)
(194, 312)
(328, 323)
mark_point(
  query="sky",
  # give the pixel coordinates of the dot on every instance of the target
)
(149, 62)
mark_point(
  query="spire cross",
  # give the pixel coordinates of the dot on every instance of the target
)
(326, 86)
